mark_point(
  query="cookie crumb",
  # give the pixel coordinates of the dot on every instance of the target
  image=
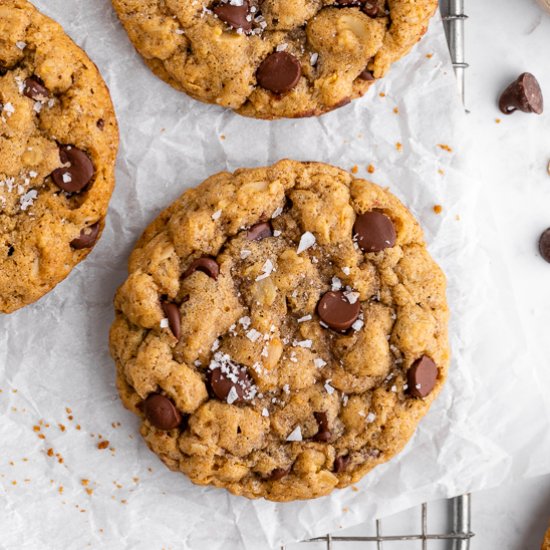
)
(445, 147)
(103, 444)
(371, 169)
(438, 209)
(355, 169)
(498, 120)
(396, 110)
(399, 146)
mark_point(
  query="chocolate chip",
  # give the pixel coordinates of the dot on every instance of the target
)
(100, 124)
(341, 463)
(35, 89)
(422, 376)
(374, 231)
(221, 382)
(365, 74)
(172, 312)
(88, 237)
(324, 433)
(206, 265)
(370, 7)
(79, 172)
(279, 72)
(161, 412)
(237, 17)
(336, 311)
(279, 473)
(544, 245)
(523, 94)
(259, 231)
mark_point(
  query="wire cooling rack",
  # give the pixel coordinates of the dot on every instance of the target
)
(455, 528)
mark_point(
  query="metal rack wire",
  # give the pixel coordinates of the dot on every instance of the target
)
(459, 533)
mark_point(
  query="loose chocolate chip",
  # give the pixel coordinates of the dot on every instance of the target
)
(279, 473)
(365, 74)
(79, 172)
(35, 89)
(88, 237)
(279, 72)
(172, 313)
(544, 245)
(422, 376)
(222, 382)
(206, 265)
(336, 311)
(324, 433)
(161, 412)
(374, 231)
(259, 231)
(237, 17)
(523, 94)
(341, 463)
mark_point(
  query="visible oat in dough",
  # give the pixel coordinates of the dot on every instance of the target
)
(274, 58)
(265, 348)
(58, 143)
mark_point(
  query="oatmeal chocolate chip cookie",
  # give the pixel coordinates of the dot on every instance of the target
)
(58, 143)
(282, 331)
(274, 58)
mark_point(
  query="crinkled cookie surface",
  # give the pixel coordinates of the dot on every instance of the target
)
(58, 143)
(274, 58)
(281, 332)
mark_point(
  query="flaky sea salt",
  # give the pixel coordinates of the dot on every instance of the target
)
(216, 215)
(295, 435)
(232, 396)
(371, 417)
(278, 212)
(164, 323)
(306, 241)
(253, 335)
(267, 269)
(319, 363)
(302, 343)
(328, 387)
(304, 319)
(265, 412)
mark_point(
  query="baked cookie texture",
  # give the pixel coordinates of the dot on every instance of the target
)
(546, 541)
(274, 58)
(265, 347)
(58, 143)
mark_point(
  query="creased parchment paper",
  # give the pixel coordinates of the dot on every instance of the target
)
(61, 490)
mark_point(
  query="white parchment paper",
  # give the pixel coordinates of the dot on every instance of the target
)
(60, 491)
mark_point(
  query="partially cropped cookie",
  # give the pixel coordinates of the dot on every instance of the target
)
(274, 58)
(58, 143)
(546, 541)
(282, 331)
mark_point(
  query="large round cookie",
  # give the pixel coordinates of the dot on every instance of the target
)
(274, 58)
(58, 143)
(282, 330)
